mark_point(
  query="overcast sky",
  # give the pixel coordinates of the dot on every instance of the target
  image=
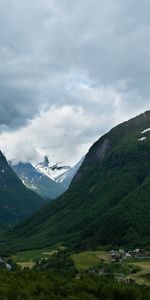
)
(69, 71)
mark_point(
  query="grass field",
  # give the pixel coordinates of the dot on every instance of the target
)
(28, 258)
(143, 276)
(83, 260)
(29, 264)
(89, 259)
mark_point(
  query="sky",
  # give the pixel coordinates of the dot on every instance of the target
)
(69, 72)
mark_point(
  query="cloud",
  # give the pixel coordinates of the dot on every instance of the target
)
(65, 133)
(70, 70)
(54, 131)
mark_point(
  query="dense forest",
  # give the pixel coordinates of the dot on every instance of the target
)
(28, 285)
(58, 279)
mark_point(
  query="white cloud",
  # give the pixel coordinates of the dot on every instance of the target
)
(66, 132)
(70, 70)
(57, 132)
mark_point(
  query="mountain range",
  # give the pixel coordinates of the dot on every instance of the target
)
(108, 201)
(60, 173)
(47, 180)
(37, 181)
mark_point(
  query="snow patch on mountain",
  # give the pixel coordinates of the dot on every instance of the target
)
(142, 139)
(59, 172)
(146, 130)
(67, 177)
(52, 171)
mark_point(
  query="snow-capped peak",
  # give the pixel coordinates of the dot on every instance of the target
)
(51, 170)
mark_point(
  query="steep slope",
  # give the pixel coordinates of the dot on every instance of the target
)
(108, 201)
(37, 181)
(66, 178)
(16, 201)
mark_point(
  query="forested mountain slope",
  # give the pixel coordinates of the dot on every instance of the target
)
(108, 201)
(16, 201)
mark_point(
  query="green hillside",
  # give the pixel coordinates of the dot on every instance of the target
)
(108, 201)
(16, 201)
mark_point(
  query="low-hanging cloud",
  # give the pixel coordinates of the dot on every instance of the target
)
(70, 70)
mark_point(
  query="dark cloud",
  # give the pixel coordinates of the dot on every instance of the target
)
(92, 57)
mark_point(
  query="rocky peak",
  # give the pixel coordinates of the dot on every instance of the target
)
(46, 161)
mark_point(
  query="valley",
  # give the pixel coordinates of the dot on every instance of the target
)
(107, 202)
(97, 231)
(98, 262)
(74, 150)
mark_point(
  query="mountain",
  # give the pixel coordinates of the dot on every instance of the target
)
(37, 181)
(62, 174)
(16, 201)
(52, 171)
(66, 178)
(48, 181)
(108, 201)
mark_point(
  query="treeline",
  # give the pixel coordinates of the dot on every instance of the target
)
(30, 285)
(58, 279)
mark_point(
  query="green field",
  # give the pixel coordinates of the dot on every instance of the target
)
(143, 276)
(28, 258)
(83, 260)
(89, 259)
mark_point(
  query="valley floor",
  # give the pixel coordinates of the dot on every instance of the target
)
(98, 262)
(58, 274)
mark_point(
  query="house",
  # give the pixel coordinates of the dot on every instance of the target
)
(115, 256)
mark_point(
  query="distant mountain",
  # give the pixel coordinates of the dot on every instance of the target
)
(52, 171)
(16, 201)
(37, 181)
(108, 201)
(62, 174)
(66, 178)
